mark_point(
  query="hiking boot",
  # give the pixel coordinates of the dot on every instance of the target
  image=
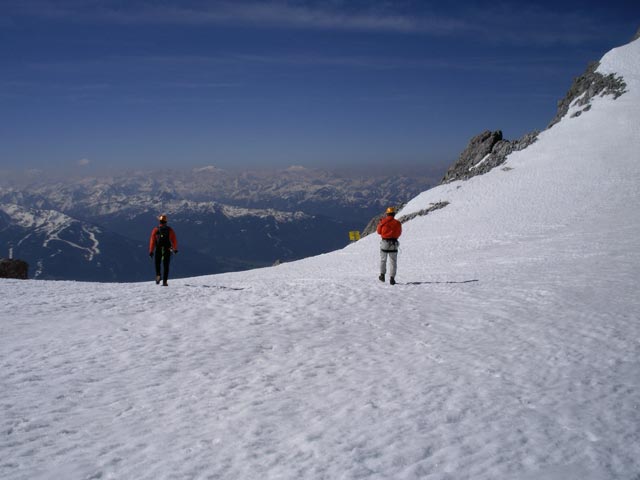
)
(165, 284)
(392, 280)
(157, 279)
(381, 277)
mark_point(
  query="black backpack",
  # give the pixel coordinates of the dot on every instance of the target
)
(162, 236)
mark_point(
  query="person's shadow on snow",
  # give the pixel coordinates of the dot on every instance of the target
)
(433, 283)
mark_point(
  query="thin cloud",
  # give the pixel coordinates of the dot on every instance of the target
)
(258, 14)
(199, 85)
(305, 59)
(92, 87)
(84, 162)
(502, 23)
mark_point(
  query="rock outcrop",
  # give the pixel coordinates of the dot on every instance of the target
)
(10, 268)
(587, 86)
(485, 152)
(423, 212)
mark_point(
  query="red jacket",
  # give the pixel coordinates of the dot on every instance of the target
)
(389, 228)
(154, 235)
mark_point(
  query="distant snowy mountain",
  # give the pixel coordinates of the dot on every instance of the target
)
(61, 247)
(225, 221)
(509, 349)
(313, 191)
(58, 242)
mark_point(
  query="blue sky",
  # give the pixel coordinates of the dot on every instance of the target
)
(91, 84)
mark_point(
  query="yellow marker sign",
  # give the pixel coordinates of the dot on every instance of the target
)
(354, 235)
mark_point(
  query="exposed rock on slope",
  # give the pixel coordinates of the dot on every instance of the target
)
(485, 152)
(587, 86)
(423, 212)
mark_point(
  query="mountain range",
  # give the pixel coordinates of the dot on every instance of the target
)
(97, 228)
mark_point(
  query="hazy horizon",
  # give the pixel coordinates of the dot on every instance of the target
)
(15, 177)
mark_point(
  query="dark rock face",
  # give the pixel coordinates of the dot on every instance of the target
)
(10, 268)
(636, 36)
(478, 148)
(587, 86)
(485, 152)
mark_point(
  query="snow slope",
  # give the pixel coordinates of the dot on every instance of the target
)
(510, 349)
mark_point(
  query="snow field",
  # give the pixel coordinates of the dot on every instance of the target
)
(527, 370)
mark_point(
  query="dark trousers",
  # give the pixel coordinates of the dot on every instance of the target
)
(163, 256)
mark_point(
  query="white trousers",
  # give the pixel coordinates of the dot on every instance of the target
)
(389, 250)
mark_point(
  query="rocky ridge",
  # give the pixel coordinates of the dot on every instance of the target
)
(489, 149)
(485, 152)
(586, 87)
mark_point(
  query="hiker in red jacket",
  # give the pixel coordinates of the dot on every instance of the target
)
(162, 243)
(390, 230)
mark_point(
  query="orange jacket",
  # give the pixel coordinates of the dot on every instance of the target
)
(172, 238)
(389, 228)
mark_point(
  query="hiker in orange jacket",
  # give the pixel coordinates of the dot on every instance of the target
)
(163, 243)
(390, 230)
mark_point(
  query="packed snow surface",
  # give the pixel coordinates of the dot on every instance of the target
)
(510, 349)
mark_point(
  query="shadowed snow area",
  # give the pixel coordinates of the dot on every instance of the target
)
(510, 349)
